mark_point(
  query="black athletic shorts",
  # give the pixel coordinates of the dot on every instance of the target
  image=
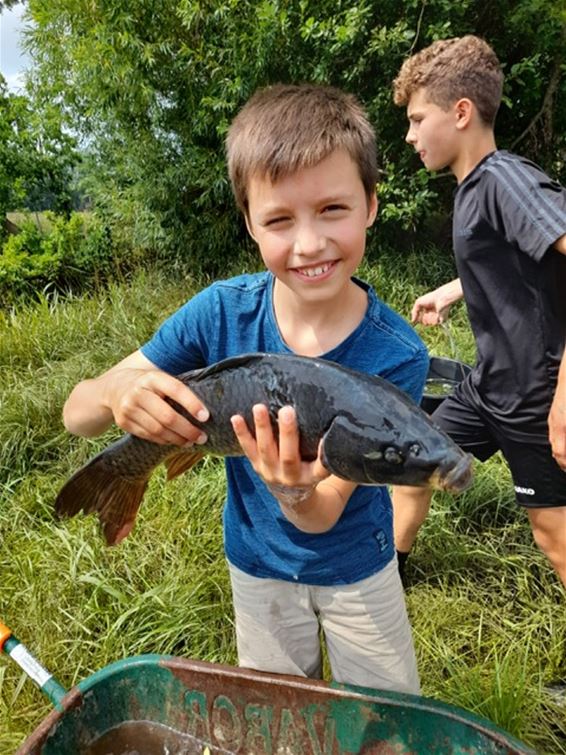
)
(538, 480)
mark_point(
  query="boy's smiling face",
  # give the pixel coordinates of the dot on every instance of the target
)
(310, 226)
(433, 132)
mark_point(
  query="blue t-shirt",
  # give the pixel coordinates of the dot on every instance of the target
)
(235, 317)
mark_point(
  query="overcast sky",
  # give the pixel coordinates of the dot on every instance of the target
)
(12, 61)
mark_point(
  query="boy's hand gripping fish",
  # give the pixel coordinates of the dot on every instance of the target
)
(372, 434)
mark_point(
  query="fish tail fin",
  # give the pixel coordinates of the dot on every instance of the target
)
(96, 488)
(180, 461)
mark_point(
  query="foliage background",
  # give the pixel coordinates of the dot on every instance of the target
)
(37, 157)
(150, 89)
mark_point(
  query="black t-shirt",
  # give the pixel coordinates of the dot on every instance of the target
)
(507, 215)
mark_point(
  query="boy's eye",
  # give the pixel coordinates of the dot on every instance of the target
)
(277, 220)
(334, 207)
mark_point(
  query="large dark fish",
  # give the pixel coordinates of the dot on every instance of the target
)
(372, 433)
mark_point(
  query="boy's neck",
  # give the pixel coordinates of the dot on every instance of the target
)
(315, 328)
(479, 143)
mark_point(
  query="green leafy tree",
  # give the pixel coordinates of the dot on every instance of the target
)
(152, 87)
(36, 156)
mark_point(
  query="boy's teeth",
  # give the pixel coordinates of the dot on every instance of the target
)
(312, 271)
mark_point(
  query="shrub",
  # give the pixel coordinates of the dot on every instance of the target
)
(70, 253)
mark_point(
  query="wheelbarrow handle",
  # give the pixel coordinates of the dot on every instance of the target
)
(32, 667)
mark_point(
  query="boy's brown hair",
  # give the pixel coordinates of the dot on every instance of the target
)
(287, 127)
(450, 69)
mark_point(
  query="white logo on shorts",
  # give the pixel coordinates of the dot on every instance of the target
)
(525, 491)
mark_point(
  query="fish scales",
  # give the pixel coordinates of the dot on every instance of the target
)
(276, 382)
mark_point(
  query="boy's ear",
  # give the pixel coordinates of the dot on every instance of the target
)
(372, 209)
(249, 225)
(463, 109)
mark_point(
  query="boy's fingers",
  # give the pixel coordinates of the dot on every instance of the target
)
(281, 462)
(244, 436)
(167, 385)
(266, 445)
(156, 433)
(170, 427)
(161, 419)
(159, 385)
(289, 456)
(415, 312)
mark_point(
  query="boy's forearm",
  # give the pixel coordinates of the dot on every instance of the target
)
(321, 510)
(451, 292)
(560, 392)
(84, 412)
(557, 418)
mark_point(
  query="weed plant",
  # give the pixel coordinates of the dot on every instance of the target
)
(486, 609)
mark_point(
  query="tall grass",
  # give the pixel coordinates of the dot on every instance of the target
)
(487, 611)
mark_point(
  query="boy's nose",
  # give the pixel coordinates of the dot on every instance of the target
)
(309, 241)
(410, 138)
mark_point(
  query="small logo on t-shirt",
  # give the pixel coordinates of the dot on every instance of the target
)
(464, 231)
(524, 491)
(381, 540)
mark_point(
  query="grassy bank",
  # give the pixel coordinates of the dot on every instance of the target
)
(488, 613)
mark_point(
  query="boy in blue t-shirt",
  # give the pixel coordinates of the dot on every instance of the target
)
(302, 161)
(509, 233)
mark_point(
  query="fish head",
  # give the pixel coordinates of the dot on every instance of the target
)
(413, 453)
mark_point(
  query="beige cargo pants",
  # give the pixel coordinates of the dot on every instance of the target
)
(365, 625)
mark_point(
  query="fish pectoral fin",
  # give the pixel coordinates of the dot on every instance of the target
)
(182, 460)
(94, 488)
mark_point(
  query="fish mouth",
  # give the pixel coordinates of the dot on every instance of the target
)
(456, 478)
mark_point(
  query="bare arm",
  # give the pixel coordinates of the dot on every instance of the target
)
(131, 394)
(557, 415)
(319, 498)
(433, 308)
(410, 508)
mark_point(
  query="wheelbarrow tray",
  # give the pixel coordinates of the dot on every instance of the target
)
(231, 710)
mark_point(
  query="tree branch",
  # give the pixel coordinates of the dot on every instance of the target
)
(418, 29)
(546, 107)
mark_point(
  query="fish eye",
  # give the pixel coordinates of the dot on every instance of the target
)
(392, 456)
(414, 449)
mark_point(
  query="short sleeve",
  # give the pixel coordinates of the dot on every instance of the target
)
(180, 343)
(524, 205)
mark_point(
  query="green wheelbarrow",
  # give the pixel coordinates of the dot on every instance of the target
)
(163, 705)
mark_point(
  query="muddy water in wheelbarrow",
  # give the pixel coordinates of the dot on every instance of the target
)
(173, 706)
(145, 737)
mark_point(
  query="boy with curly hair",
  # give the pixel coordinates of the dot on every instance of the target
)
(509, 241)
